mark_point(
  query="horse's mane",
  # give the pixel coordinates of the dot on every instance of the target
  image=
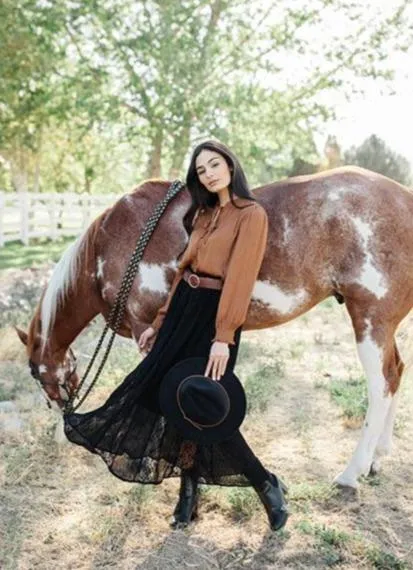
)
(65, 273)
(66, 270)
(64, 276)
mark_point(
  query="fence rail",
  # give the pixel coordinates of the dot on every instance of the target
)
(32, 215)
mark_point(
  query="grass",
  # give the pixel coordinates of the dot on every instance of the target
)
(384, 560)
(262, 385)
(13, 535)
(243, 502)
(313, 492)
(61, 508)
(297, 349)
(337, 546)
(15, 380)
(351, 396)
(16, 255)
(331, 543)
(246, 352)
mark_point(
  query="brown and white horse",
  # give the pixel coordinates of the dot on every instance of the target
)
(346, 232)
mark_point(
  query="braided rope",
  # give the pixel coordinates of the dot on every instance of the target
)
(118, 309)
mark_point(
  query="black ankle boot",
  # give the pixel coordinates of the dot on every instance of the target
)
(186, 509)
(272, 497)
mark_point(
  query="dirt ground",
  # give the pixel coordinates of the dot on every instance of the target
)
(61, 509)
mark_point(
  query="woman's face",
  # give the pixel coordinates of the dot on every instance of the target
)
(213, 170)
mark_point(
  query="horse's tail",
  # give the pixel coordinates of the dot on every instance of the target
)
(66, 273)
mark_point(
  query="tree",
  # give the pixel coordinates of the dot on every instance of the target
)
(375, 155)
(156, 76)
(40, 88)
(188, 69)
(29, 56)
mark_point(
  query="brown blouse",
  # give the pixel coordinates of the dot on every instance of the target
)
(226, 242)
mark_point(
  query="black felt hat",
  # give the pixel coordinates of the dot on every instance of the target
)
(202, 409)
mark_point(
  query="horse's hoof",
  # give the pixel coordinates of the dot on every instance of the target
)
(343, 482)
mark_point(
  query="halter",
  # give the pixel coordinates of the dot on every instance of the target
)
(41, 383)
(118, 309)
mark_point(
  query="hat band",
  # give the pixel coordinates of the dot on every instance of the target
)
(197, 425)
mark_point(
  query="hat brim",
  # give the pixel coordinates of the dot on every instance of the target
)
(170, 409)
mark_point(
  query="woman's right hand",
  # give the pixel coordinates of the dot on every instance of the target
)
(146, 340)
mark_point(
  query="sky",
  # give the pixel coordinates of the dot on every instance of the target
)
(390, 116)
(384, 108)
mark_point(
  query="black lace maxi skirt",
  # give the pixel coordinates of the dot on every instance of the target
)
(129, 432)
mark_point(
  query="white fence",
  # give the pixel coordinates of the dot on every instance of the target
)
(32, 215)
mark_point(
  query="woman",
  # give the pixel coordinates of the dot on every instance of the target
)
(227, 245)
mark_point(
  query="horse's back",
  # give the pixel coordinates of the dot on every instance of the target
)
(339, 230)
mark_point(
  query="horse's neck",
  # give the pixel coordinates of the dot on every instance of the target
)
(77, 310)
(71, 299)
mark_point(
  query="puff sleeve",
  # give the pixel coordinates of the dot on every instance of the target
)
(160, 315)
(242, 271)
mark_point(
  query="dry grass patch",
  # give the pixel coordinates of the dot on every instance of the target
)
(60, 508)
(263, 385)
(337, 547)
(11, 348)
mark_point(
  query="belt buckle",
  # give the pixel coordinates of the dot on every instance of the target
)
(195, 284)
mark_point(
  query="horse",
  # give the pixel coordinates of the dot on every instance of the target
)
(346, 233)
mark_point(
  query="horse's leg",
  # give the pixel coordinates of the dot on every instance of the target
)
(384, 445)
(375, 346)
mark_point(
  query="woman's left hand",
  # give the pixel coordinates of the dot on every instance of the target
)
(218, 358)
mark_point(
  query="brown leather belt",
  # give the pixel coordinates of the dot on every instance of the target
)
(195, 280)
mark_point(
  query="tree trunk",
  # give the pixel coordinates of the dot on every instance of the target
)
(36, 180)
(155, 157)
(18, 170)
(180, 148)
(18, 178)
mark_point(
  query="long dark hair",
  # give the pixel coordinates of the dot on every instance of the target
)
(201, 197)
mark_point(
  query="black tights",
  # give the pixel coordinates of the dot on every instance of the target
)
(242, 458)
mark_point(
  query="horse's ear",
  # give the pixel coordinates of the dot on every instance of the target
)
(22, 335)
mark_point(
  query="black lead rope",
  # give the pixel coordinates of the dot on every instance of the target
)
(118, 309)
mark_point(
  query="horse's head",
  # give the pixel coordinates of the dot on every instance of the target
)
(55, 371)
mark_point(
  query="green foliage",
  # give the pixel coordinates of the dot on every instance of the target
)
(18, 305)
(330, 542)
(336, 545)
(29, 51)
(385, 560)
(16, 255)
(331, 536)
(140, 494)
(97, 95)
(246, 352)
(304, 526)
(244, 503)
(15, 379)
(375, 155)
(13, 534)
(351, 396)
(262, 385)
(124, 358)
(320, 492)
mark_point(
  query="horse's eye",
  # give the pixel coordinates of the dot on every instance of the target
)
(33, 368)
